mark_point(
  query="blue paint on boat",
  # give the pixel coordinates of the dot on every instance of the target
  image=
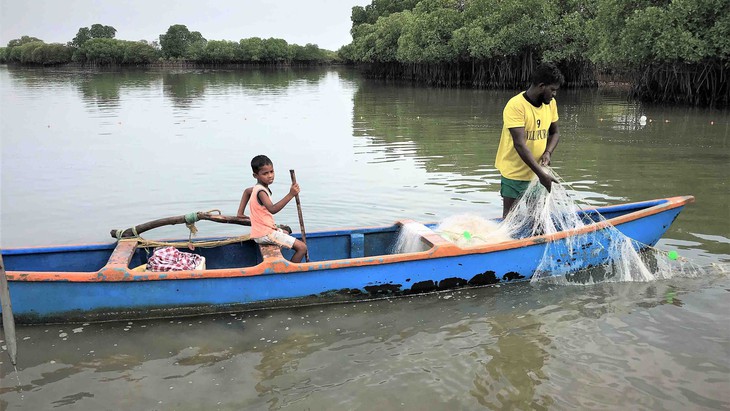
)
(83, 283)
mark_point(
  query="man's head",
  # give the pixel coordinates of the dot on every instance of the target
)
(547, 80)
(547, 73)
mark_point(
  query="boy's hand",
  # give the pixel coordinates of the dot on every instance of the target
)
(294, 190)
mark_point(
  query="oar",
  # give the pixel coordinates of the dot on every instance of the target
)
(299, 210)
(8, 320)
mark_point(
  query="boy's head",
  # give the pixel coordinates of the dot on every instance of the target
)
(260, 161)
(263, 170)
(546, 79)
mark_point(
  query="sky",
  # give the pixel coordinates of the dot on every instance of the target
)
(325, 23)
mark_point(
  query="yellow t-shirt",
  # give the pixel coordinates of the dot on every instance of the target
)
(520, 113)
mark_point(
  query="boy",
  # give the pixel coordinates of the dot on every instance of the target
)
(263, 228)
(529, 135)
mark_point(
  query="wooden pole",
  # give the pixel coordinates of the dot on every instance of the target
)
(299, 210)
(129, 233)
(8, 320)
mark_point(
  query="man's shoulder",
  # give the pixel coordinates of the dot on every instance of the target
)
(517, 100)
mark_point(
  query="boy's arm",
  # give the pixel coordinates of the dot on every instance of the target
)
(275, 208)
(518, 139)
(244, 201)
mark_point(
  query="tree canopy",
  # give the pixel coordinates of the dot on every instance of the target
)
(496, 43)
(97, 31)
(97, 45)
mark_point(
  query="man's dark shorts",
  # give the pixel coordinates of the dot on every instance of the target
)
(513, 188)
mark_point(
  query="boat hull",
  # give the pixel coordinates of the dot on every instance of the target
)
(116, 292)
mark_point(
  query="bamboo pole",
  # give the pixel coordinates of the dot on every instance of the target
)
(8, 320)
(299, 210)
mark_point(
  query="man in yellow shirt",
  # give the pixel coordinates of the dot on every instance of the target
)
(529, 135)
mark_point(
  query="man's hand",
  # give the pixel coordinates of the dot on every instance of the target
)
(547, 180)
(545, 158)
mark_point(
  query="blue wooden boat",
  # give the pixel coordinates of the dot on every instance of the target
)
(97, 282)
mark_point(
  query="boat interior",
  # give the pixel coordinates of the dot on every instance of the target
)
(323, 246)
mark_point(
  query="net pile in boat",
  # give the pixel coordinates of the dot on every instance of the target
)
(605, 254)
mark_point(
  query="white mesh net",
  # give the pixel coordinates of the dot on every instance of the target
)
(597, 256)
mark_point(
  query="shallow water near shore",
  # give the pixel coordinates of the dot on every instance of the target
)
(84, 152)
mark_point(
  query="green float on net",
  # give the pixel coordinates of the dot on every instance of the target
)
(672, 255)
(467, 235)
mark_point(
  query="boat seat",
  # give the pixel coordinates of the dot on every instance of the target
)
(270, 252)
(123, 253)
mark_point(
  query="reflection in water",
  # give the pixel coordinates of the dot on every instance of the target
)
(428, 124)
(101, 90)
(514, 365)
(183, 88)
(102, 87)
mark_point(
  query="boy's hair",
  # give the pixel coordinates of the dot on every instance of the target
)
(260, 161)
(547, 73)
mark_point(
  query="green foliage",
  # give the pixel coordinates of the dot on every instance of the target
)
(362, 47)
(387, 32)
(82, 36)
(251, 49)
(427, 37)
(455, 30)
(27, 50)
(49, 54)
(178, 41)
(106, 51)
(97, 31)
(36, 52)
(102, 51)
(630, 34)
(275, 50)
(308, 53)
(222, 51)
(568, 38)
(509, 27)
(22, 40)
(138, 52)
(379, 8)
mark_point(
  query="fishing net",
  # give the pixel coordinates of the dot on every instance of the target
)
(600, 255)
(583, 256)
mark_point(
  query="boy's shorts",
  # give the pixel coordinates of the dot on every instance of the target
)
(513, 188)
(277, 237)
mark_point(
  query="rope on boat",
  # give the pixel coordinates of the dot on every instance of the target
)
(122, 230)
(144, 243)
(190, 220)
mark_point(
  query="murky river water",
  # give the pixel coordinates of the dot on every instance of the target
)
(84, 152)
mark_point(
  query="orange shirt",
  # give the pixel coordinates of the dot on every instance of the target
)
(262, 221)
